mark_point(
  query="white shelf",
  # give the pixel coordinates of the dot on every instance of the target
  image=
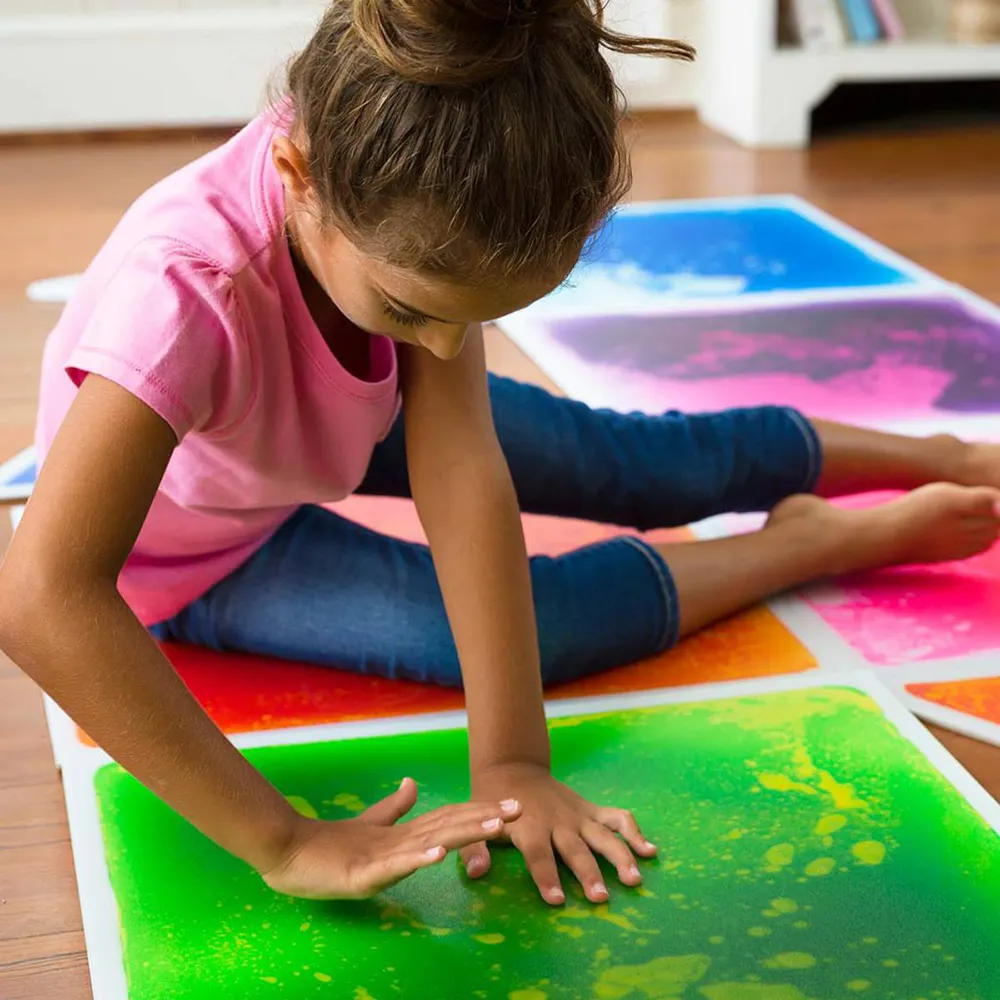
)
(762, 95)
(907, 60)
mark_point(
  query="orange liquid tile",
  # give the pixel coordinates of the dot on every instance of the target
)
(979, 697)
(751, 644)
(246, 693)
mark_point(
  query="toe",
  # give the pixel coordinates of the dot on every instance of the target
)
(985, 504)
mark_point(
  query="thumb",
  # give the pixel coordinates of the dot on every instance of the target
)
(393, 807)
(476, 859)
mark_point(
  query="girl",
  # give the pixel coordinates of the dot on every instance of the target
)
(236, 356)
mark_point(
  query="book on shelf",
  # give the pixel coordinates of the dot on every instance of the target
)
(816, 24)
(787, 36)
(862, 21)
(889, 20)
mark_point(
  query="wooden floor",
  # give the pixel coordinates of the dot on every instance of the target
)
(933, 196)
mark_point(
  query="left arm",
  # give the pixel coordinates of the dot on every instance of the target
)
(466, 501)
(467, 506)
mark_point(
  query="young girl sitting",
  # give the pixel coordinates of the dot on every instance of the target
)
(295, 317)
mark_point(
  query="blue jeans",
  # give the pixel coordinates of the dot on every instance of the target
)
(328, 591)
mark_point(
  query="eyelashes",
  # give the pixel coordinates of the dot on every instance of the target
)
(406, 319)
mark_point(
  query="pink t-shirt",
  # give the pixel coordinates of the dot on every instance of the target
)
(194, 307)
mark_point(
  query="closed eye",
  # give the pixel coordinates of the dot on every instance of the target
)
(407, 319)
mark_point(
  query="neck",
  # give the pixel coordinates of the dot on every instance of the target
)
(349, 345)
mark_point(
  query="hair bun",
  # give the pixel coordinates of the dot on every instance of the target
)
(457, 41)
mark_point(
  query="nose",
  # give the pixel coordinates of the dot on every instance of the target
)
(445, 343)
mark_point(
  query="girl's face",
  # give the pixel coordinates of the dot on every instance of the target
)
(412, 308)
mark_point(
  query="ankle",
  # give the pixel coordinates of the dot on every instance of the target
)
(814, 527)
(949, 459)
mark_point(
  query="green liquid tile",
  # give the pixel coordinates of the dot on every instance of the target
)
(807, 852)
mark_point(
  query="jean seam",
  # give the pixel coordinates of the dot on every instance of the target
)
(668, 591)
(813, 449)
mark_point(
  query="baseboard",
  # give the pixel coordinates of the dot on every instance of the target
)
(184, 68)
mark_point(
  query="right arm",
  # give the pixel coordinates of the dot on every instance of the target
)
(64, 623)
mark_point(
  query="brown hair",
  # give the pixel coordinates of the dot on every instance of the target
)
(478, 139)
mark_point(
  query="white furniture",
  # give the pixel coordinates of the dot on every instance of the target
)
(763, 95)
(143, 67)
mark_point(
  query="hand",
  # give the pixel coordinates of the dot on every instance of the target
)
(357, 858)
(554, 818)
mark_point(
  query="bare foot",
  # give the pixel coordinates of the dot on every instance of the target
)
(936, 523)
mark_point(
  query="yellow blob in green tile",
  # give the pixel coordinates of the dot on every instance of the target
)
(821, 867)
(753, 991)
(869, 852)
(302, 806)
(661, 977)
(830, 825)
(781, 855)
(791, 960)
(200, 925)
(348, 801)
(782, 783)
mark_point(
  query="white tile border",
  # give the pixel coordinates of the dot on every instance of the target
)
(11, 492)
(54, 291)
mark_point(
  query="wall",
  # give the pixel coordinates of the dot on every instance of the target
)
(79, 64)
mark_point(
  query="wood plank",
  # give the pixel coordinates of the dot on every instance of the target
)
(39, 884)
(44, 965)
(24, 744)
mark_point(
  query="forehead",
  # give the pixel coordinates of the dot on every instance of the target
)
(437, 295)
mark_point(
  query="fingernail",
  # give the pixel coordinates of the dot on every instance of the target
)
(493, 824)
(650, 846)
(634, 872)
(435, 852)
(474, 867)
(556, 895)
(509, 805)
(600, 889)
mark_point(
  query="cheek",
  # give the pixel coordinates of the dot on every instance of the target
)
(359, 304)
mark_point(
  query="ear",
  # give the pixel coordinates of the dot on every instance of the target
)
(292, 168)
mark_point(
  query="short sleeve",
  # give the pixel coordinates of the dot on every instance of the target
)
(165, 329)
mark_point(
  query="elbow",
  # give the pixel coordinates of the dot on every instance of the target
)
(29, 597)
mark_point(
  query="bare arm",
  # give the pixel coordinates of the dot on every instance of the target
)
(467, 505)
(63, 621)
(463, 491)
